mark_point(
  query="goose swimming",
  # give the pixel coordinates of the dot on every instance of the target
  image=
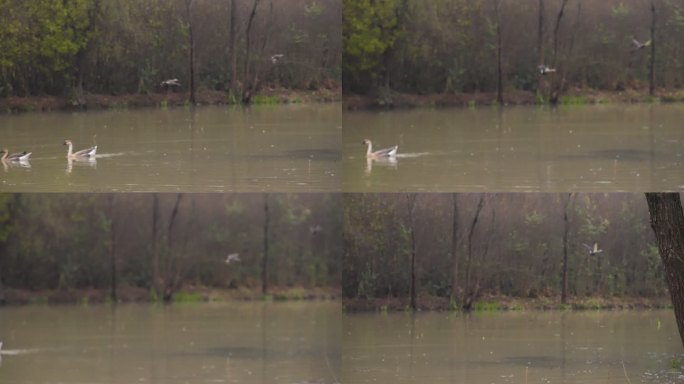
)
(20, 156)
(593, 250)
(383, 153)
(88, 153)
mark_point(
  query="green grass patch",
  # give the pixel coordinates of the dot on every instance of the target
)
(454, 305)
(486, 306)
(265, 99)
(574, 100)
(164, 104)
(187, 297)
(653, 99)
(472, 104)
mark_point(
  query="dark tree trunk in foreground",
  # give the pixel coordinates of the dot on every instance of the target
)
(231, 49)
(410, 205)
(566, 230)
(667, 221)
(651, 69)
(188, 8)
(555, 82)
(247, 97)
(499, 70)
(454, 249)
(264, 261)
(540, 44)
(471, 292)
(112, 247)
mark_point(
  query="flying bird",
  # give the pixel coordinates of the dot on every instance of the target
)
(638, 45)
(544, 69)
(233, 257)
(593, 250)
(276, 58)
(171, 83)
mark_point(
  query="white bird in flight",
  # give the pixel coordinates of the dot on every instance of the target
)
(593, 250)
(233, 257)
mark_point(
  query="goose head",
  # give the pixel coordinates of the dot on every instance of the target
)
(366, 142)
(67, 142)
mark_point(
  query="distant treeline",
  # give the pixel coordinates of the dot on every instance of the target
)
(162, 242)
(447, 46)
(130, 46)
(470, 245)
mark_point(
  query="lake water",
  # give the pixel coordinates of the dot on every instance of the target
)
(187, 343)
(511, 347)
(599, 148)
(284, 148)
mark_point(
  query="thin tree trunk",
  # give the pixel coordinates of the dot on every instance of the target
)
(112, 247)
(264, 42)
(231, 49)
(188, 8)
(555, 84)
(410, 205)
(652, 76)
(454, 249)
(155, 247)
(247, 96)
(264, 262)
(540, 43)
(468, 299)
(667, 221)
(169, 267)
(566, 230)
(499, 70)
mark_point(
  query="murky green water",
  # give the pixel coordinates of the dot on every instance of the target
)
(586, 148)
(187, 343)
(209, 149)
(525, 347)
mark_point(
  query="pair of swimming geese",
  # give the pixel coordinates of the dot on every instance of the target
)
(83, 154)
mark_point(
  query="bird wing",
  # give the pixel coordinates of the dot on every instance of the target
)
(391, 151)
(86, 152)
(587, 246)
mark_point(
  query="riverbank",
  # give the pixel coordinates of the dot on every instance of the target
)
(506, 303)
(396, 100)
(140, 295)
(161, 100)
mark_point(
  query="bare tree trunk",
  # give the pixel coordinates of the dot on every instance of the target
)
(410, 205)
(555, 84)
(264, 261)
(540, 43)
(652, 76)
(566, 230)
(112, 247)
(499, 70)
(257, 69)
(188, 9)
(667, 221)
(454, 249)
(155, 248)
(468, 297)
(170, 269)
(231, 49)
(247, 96)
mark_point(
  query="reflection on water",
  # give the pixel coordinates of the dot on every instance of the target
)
(590, 148)
(525, 347)
(193, 343)
(208, 149)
